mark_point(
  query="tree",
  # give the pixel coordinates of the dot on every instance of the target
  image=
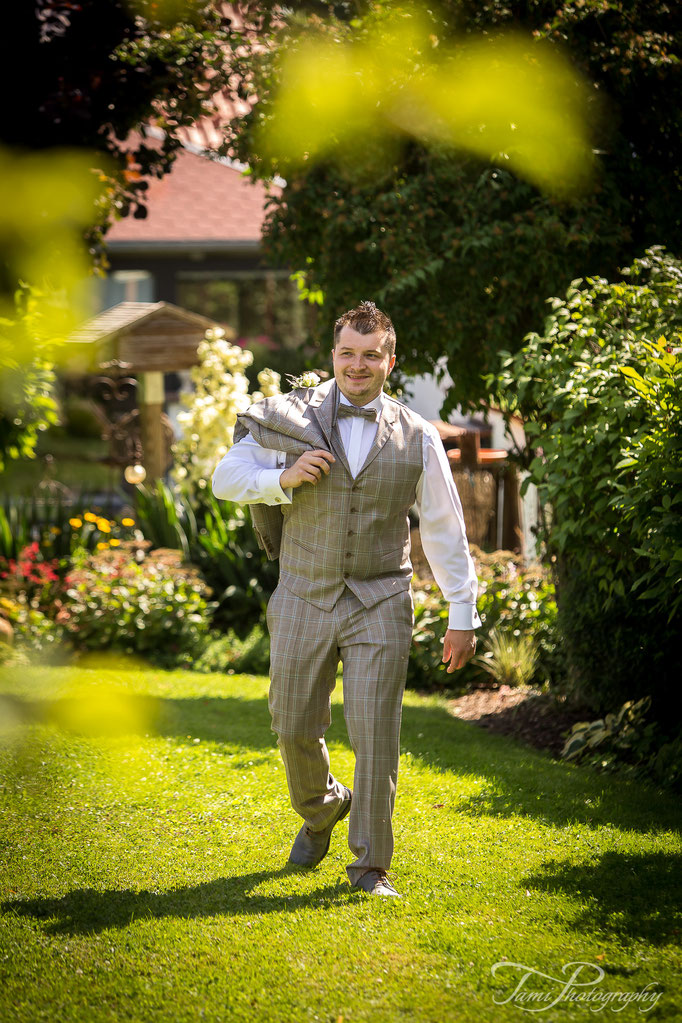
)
(76, 150)
(461, 252)
(103, 69)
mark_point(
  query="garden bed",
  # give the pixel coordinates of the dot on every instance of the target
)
(539, 719)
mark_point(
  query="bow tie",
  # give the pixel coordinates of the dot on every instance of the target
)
(354, 410)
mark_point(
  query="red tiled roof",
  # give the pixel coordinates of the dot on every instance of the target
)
(199, 200)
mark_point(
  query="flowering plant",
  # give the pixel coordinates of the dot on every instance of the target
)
(149, 602)
(307, 379)
(29, 572)
(221, 393)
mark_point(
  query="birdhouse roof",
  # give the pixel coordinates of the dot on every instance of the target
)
(145, 336)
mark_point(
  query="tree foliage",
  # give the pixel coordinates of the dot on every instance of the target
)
(461, 253)
(76, 144)
(101, 69)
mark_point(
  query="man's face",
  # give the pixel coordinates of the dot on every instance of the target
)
(361, 365)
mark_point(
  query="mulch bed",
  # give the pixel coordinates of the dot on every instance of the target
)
(539, 719)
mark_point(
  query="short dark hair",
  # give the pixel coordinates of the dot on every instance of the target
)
(366, 319)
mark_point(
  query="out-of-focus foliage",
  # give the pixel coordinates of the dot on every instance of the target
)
(36, 636)
(601, 394)
(101, 69)
(46, 203)
(352, 97)
(462, 254)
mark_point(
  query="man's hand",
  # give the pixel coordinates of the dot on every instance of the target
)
(307, 469)
(459, 645)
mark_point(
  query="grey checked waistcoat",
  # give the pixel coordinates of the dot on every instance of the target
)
(341, 531)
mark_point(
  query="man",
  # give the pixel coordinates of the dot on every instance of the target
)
(330, 473)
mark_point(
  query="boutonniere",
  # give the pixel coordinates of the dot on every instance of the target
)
(308, 379)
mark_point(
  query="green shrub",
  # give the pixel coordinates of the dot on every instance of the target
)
(601, 396)
(229, 653)
(151, 603)
(242, 578)
(512, 602)
(166, 519)
(37, 637)
(626, 742)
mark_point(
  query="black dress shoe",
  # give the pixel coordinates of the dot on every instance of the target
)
(310, 847)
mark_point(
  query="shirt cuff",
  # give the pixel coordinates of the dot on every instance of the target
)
(463, 616)
(268, 486)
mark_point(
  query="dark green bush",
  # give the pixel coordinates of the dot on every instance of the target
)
(629, 742)
(80, 418)
(601, 396)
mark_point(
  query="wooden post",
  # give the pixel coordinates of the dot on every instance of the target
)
(150, 396)
(512, 534)
(469, 444)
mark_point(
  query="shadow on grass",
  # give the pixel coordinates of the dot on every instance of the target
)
(634, 896)
(517, 780)
(87, 911)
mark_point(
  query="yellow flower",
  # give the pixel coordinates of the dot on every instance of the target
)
(89, 517)
(55, 529)
(103, 525)
(127, 522)
(75, 523)
(102, 546)
(114, 543)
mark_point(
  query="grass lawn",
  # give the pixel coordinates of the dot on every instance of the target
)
(143, 875)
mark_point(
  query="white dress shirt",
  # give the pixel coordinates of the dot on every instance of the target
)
(441, 522)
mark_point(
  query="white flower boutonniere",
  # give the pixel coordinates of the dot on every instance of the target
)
(308, 379)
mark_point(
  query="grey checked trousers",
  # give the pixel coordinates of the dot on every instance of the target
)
(373, 644)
